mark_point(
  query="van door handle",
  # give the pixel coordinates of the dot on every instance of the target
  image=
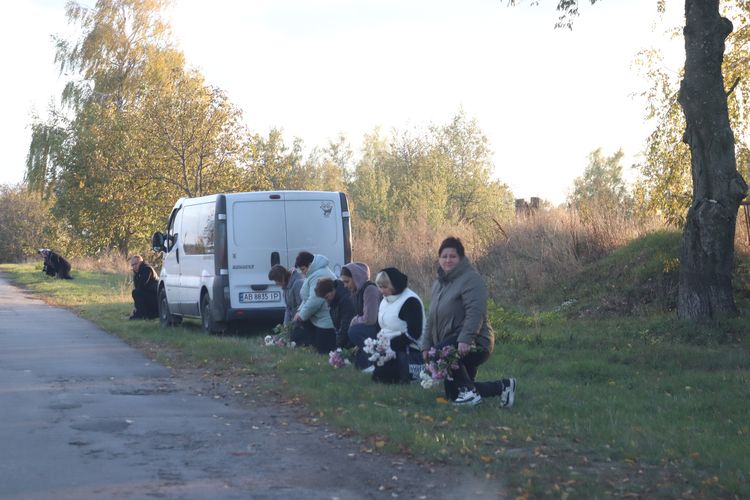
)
(275, 258)
(177, 254)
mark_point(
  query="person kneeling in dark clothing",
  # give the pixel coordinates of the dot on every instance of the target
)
(55, 265)
(145, 282)
(341, 307)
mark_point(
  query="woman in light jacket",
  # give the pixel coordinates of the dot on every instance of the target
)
(314, 325)
(458, 317)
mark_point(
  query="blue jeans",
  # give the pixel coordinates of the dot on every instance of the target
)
(357, 335)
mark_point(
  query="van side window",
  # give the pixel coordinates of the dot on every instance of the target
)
(174, 223)
(198, 229)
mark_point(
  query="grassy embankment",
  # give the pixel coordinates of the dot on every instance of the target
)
(614, 406)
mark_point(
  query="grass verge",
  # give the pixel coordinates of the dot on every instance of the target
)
(620, 407)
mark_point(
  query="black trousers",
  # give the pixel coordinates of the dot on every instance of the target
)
(464, 376)
(401, 370)
(307, 334)
(146, 305)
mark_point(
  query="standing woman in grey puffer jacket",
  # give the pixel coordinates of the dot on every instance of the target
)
(458, 317)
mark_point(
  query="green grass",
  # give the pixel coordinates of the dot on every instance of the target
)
(626, 406)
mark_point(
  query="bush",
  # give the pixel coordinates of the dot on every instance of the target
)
(25, 224)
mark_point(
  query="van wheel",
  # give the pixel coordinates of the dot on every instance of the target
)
(209, 325)
(166, 318)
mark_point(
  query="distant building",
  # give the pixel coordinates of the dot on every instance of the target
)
(527, 209)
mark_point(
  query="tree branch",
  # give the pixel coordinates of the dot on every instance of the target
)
(734, 85)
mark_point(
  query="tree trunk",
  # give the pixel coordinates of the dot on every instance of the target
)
(707, 253)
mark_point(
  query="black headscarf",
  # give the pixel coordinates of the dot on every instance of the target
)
(399, 280)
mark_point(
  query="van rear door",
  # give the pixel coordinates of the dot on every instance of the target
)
(257, 240)
(314, 223)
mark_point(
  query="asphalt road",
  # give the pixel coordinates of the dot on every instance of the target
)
(83, 415)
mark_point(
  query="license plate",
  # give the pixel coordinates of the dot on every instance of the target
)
(246, 297)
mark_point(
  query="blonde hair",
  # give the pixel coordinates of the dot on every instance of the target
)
(383, 280)
(136, 258)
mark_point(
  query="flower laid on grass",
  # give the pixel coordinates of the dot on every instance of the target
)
(438, 366)
(341, 357)
(281, 336)
(379, 349)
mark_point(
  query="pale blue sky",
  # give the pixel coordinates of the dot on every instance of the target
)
(545, 98)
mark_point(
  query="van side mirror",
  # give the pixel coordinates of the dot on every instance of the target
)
(157, 242)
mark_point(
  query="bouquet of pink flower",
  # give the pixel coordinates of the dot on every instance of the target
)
(341, 357)
(438, 366)
(281, 337)
(379, 348)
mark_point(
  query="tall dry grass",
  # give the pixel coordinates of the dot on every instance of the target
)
(409, 245)
(546, 248)
(113, 262)
(526, 255)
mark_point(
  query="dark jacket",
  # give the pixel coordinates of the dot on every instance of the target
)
(56, 265)
(145, 279)
(342, 312)
(459, 309)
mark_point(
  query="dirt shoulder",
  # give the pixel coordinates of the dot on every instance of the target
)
(290, 429)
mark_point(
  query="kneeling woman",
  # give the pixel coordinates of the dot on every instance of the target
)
(313, 325)
(401, 318)
(458, 317)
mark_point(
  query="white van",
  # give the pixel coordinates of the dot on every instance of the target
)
(218, 250)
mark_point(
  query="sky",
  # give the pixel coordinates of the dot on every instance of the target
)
(544, 97)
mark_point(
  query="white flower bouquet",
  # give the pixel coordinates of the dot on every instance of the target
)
(379, 348)
(281, 337)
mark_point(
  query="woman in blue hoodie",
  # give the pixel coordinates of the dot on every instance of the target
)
(314, 325)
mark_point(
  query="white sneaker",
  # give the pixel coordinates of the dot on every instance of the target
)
(508, 397)
(467, 397)
(369, 369)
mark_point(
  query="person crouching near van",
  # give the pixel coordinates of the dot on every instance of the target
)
(340, 306)
(290, 282)
(366, 297)
(145, 283)
(314, 325)
(401, 317)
